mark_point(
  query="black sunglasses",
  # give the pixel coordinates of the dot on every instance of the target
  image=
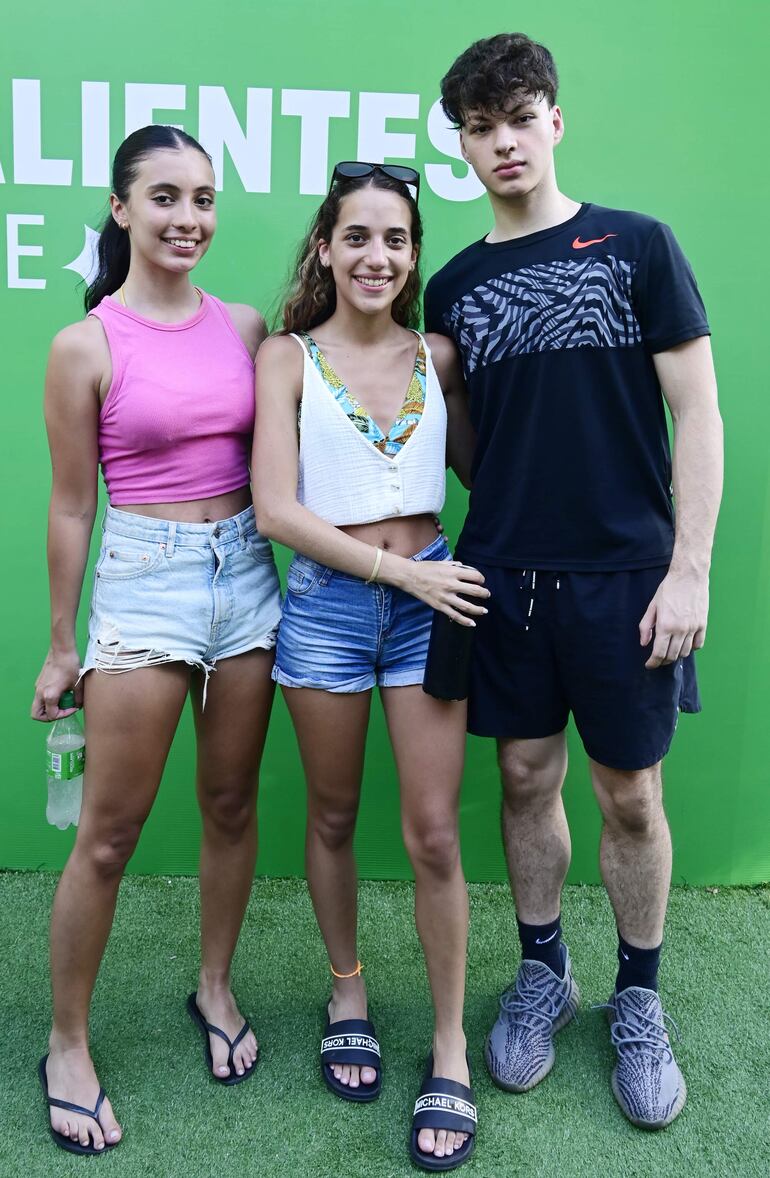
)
(355, 169)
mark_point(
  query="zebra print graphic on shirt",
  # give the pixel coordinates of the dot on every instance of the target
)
(546, 307)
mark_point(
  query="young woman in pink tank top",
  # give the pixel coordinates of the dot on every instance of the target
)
(354, 491)
(156, 385)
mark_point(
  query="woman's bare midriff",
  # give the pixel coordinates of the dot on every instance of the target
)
(401, 535)
(195, 511)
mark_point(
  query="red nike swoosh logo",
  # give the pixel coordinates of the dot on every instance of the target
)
(581, 245)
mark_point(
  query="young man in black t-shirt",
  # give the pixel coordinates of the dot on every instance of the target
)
(575, 324)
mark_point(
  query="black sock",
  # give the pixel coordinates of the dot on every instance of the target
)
(638, 967)
(542, 942)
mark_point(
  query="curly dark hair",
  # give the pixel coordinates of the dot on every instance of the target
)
(496, 72)
(313, 295)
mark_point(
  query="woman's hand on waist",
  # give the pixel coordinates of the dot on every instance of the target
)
(440, 584)
(59, 673)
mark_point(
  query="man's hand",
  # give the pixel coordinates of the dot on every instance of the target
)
(677, 615)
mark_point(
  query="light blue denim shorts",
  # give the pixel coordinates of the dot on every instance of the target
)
(339, 634)
(175, 592)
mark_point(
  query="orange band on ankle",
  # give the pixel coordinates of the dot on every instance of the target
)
(356, 972)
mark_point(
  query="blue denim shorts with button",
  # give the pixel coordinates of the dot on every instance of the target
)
(340, 634)
(166, 591)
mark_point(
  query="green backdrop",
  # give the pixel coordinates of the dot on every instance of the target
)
(662, 110)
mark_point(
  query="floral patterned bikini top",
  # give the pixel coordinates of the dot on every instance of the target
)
(407, 418)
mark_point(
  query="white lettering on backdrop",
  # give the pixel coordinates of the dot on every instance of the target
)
(247, 139)
(95, 133)
(15, 250)
(375, 142)
(144, 98)
(250, 150)
(314, 108)
(29, 167)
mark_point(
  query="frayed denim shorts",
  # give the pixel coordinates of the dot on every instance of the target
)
(339, 634)
(167, 592)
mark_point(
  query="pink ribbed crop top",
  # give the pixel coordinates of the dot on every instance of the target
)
(177, 421)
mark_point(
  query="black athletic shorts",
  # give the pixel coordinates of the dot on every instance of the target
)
(555, 643)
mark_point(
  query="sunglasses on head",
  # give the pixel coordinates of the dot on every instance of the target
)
(355, 169)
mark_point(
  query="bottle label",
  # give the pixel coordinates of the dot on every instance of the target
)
(65, 766)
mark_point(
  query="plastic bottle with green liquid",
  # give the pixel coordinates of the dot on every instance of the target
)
(65, 759)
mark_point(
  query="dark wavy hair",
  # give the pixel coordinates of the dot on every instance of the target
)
(312, 296)
(114, 243)
(496, 72)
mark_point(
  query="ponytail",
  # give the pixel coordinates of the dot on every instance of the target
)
(114, 260)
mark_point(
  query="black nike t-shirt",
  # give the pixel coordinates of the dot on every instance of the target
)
(557, 332)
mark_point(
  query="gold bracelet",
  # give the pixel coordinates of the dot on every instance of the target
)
(377, 562)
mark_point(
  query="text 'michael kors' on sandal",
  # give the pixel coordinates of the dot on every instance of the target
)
(443, 1104)
(351, 1042)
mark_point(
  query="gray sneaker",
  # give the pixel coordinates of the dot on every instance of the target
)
(519, 1049)
(646, 1081)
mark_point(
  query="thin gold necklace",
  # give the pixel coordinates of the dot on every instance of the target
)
(197, 290)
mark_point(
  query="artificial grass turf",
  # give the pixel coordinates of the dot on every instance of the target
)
(284, 1122)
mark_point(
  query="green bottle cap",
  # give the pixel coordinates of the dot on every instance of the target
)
(67, 700)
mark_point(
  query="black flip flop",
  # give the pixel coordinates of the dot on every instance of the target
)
(60, 1139)
(443, 1104)
(351, 1041)
(209, 1029)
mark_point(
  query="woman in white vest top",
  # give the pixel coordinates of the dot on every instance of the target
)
(349, 470)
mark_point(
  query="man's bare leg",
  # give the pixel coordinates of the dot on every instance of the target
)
(535, 832)
(520, 1051)
(635, 854)
(636, 868)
